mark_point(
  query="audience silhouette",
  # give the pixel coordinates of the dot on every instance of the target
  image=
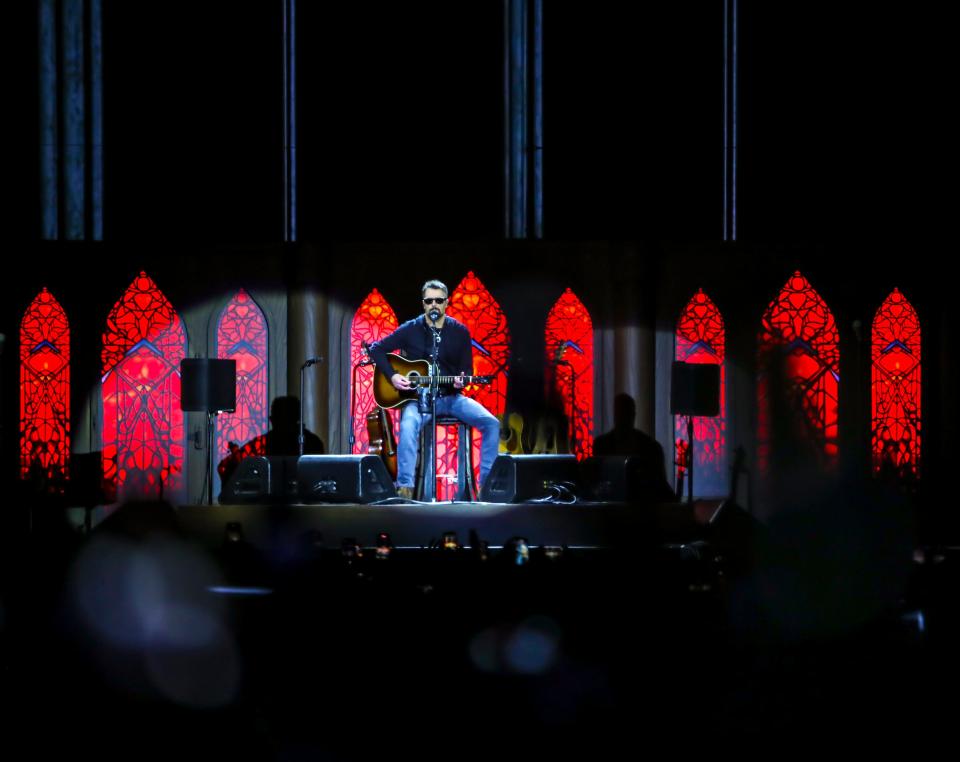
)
(282, 439)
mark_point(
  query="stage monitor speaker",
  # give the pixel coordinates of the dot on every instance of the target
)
(208, 386)
(519, 478)
(695, 389)
(260, 479)
(343, 479)
(624, 478)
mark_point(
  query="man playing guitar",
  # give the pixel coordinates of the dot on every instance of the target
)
(434, 332)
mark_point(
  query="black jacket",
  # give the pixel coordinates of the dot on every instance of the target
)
(416, 339)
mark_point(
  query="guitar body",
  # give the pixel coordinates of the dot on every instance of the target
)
(511, 435)
(382, 443)
(417, 372)
(385, 393)
(548, 434)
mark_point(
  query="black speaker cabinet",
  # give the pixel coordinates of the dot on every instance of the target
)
(343, 479)
(519, 478)
(208, 386)
(695, 389)
(259, 479)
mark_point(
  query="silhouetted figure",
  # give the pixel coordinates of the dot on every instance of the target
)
(625, 439)
(282, 439)
(839, 547)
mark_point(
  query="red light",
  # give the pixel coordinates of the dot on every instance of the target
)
(569, 333)
(799, 322)
(373, 320)
(142, 421)
(45, 391)
(895, 389)
(242, 336)
(701, 338)
(473, 305)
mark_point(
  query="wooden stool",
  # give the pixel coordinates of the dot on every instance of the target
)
(466, 483)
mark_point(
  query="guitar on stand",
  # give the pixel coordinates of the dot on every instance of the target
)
(380, 436)
(511, 434)
(554, 423)
(382, 441)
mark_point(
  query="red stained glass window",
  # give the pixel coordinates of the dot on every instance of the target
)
(700, 338)
(142, 421)
(373, 320)
(798, 331)
(473, 305)
(895, 384)
(569, 367)
(242, 336)
(45, 391)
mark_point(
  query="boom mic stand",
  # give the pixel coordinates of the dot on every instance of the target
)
(310, 361)
(367, 360)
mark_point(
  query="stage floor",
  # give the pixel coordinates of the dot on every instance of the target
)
(415, 524)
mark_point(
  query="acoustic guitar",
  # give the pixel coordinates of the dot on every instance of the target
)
(546, 441)
(417, 372)
(511, 434)
(381, 440)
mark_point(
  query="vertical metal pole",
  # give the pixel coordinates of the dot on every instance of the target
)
(49, 132)
(515, 96)
(726, 121)
(210, 471)
(507, 121)
(300, 435)
(74, 120)
(730, 76)
(538, 118)
(96, 121)
(520, 117)
(733, 181)
(289, 120)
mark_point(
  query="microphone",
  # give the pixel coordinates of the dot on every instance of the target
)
(312, 361)
(434, 314)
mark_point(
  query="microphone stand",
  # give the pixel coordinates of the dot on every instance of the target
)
(211, 416)
(430, 467)
(572, 423)
(310, 361)
(353, 393)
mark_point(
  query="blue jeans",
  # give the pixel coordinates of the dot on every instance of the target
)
(463, 408)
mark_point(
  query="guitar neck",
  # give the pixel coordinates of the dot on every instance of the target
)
(423, 380)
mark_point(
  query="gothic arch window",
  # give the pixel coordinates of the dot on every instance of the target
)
(242, 336)
(799, 340)
(373, 320)
(895, 386)
(473, 305)
(701, 338)
(569, 368)
(45, 392)
(143, 345)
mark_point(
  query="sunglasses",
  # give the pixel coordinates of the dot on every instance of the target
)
(435, 300)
